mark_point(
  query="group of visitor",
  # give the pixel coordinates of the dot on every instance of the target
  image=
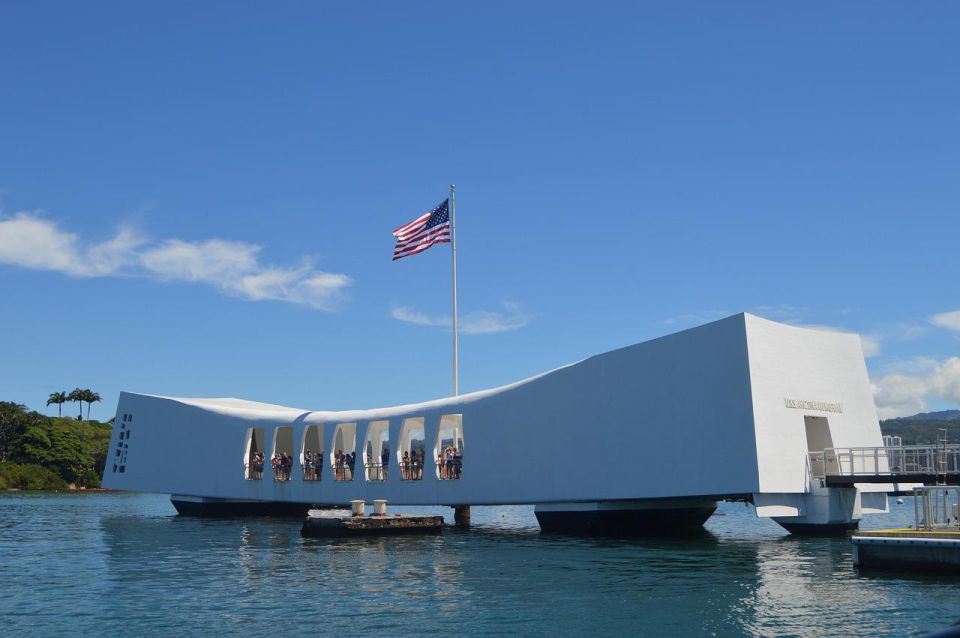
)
(450, 463)
(282, 464)
(312, 465)
(411, 466)
(343, 465)
(255, 470)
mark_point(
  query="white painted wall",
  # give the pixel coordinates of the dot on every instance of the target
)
(789, 362)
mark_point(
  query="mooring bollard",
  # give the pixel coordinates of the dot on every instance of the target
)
(357, 507)
(379, 507)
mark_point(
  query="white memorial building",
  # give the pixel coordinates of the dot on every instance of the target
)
(644, 438)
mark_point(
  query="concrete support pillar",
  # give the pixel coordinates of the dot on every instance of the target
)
(461, 516)
(826, 511)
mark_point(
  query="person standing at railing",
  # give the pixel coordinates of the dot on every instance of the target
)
(448, 461)
(384, 462)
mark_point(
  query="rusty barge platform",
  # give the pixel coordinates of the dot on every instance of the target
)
(326, 525)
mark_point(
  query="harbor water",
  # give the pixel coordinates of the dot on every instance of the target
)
(125, 564)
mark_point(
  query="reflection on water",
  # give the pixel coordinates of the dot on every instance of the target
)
(125, 564)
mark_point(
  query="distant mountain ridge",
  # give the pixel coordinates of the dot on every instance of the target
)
(943, 415)
(923, 428)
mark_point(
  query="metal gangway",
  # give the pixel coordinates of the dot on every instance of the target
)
(933, 464)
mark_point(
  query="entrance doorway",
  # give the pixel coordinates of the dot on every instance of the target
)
(818, 440)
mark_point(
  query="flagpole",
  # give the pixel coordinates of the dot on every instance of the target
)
(453, 245)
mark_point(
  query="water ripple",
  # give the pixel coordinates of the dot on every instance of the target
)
(124, 563)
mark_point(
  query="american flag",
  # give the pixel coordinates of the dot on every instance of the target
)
(425, 231)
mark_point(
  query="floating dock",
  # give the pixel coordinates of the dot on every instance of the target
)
(907, 549)
(933, 544)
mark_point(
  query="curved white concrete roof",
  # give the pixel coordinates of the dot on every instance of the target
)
(243, 408)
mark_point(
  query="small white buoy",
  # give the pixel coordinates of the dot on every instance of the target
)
(899, 501)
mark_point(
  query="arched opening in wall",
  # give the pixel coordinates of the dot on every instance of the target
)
(343, 457)
(410, 451)
(311, 453)
(282, 457)
(376, 450)
(253, 454)
(448, 450)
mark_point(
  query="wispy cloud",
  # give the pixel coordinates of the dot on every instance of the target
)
(908, 391)
(870, 345)
(29, 240)
(906, 331)
(948, 320)
(471, 323)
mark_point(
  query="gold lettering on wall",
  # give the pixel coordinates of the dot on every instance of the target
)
(820, 406)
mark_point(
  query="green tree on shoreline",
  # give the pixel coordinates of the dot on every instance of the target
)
(59, 398)
(46, 452)
(76, 396)
(90, 397)
(12, 426)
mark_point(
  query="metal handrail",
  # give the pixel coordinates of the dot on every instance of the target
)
(312, 470)
(411, 471)
(342, 471)
(451, 471)
(253, 471)
(376, 471)
(884, 460)
(934, 508)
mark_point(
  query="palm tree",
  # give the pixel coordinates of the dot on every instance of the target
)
(76, 396)
(59, 398)
(90, 397)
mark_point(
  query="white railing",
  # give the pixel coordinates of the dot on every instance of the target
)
(935, 508)
(886, 461)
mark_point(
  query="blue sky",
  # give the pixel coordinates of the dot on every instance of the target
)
(196, 199)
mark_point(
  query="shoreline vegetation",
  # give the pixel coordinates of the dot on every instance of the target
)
(39, 452)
